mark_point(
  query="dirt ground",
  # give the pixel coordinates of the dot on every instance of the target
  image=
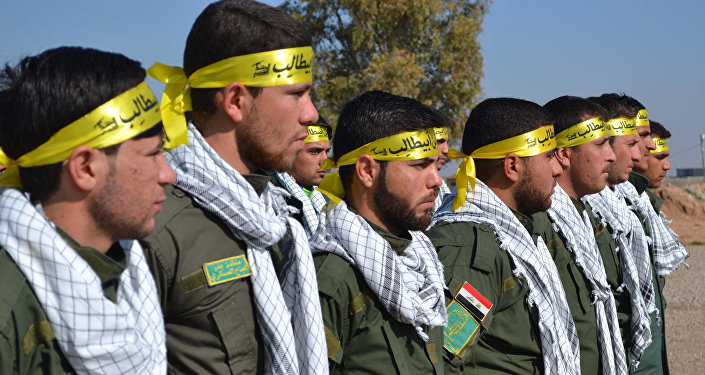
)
(685, 289)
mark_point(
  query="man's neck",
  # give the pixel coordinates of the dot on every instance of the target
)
(73, 218)
(567, 185)
(221, 136)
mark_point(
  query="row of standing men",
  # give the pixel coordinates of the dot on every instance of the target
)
(547, 258)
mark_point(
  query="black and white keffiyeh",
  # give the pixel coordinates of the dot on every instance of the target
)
(410, 286)
(444, 190)
(97, 335)
(559, 338)
(288, 312)
(310, 210)
(580, 240)
(632, 247)
(669, 252)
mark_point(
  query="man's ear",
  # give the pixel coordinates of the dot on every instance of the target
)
(367, 170)
(86, 167)
(563, 156)
(513, 167)
(235, 100)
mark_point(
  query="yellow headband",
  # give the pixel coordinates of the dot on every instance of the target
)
(123, 117)
(404, 146)
(584, 132)
(533, 143)
(642, 118)
(621, 126)
(661, 145)
(316, 133)
(265, 69)
(442, 133)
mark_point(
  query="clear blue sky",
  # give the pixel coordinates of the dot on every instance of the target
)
(535, 50)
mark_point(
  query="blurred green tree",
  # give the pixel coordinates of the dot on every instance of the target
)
(424, 49)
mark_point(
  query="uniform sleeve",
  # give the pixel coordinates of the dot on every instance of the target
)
(333, 310)
(468, 254)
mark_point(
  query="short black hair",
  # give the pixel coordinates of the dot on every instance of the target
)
(497, 119)
(568, 111)
(618, 105)
(378, 114)
(658, 130)
(229, 28)
(44, 93)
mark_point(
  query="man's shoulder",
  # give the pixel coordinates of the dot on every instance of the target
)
(16, 295)
(338, 278)
(466, 244)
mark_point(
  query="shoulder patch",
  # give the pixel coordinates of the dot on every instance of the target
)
(37, 333)
(462, 328)
(473, 301)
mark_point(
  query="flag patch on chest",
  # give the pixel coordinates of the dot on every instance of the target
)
(473, 301)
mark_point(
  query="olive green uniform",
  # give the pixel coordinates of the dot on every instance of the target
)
(613, 270)
(655, 358)
(209, 329)
(362, 338)
(656, 201)
(577, 293)
(27, 341)
(509, 341)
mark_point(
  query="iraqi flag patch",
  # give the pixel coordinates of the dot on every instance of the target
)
(473, 301)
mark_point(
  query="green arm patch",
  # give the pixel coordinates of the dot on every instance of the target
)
(227, 269)
(461, 330)
(37, 333)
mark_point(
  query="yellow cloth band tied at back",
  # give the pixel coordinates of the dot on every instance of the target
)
(316, 133)
(642, 118)
(621, 126)
(123, 117)
(661, 145)
(264, 69)
(442, 133)
(533, 143)
(584, 132)
(399, 147)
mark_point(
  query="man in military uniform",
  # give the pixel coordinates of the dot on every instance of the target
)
(381, 285)
(502, 279)
(234, 272)
(442, 141)
(303, 178)
(658, 163)
(584, 252)
(624, 209)
(88, 176)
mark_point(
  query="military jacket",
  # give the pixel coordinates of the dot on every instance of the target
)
(362, 338)
(210, 329)
(508, 338)
(27, 341)
(655, 357)
(577, 292)
(656, 201)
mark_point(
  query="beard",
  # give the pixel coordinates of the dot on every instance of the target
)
(529, 199)
(107, 210)
(398, 211)
(252, 140)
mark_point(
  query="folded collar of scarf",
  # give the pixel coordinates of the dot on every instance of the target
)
(577, 230)
(632, 247)
(97, 335)
(409, 285)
